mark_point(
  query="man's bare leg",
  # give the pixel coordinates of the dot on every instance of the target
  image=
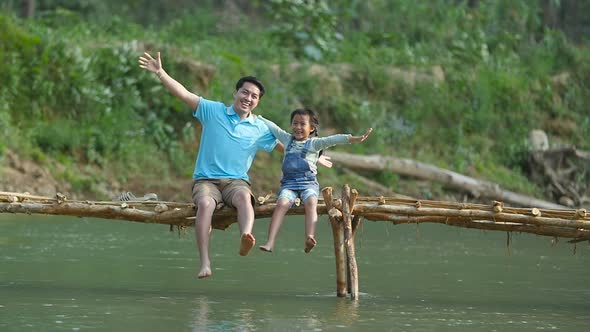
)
(205, 209)
(242, 201)
(276, 222)
(311, 219)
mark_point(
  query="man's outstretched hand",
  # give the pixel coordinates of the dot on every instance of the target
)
(149, 63)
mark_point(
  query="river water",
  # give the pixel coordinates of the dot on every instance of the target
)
(73, 274)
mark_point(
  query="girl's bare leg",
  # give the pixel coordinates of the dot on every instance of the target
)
(311, 219)
(276, 222)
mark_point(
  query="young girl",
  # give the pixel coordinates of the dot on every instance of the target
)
(300, 171)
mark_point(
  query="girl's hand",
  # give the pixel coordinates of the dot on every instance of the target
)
(358, 139)
(325, 161)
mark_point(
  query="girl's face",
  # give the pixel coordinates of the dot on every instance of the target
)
(301, 127)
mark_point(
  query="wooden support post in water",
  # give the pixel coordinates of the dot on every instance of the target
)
(338, 234)
(349, 241)
(356, 219)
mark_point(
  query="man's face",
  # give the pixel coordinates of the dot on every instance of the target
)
(246, 99)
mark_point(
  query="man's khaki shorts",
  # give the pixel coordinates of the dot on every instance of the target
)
(221, 190)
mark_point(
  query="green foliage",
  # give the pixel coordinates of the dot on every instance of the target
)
(79, 102)
(5, 130)
(79, 183)
(184, 28)
(74, 90)
(56, 138)
(308, 28)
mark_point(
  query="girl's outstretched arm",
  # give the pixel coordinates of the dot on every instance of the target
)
(359, 139)
(321, 143)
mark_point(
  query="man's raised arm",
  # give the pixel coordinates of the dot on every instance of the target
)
(147, 62)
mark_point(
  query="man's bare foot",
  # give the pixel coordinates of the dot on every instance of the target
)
(266, 248)
(246, 244)
(204, 273)
(310, 242)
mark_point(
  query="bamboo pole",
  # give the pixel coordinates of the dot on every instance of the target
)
(167, 213)
(575, 234)
(474, 214)
(349, 241)
(335, 217)
(563, 222)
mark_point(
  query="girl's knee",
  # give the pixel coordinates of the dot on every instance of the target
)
(284, 203)
(311, 202)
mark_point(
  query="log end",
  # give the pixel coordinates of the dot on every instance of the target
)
(161, 208)
(334, 213)
(60, 198)
(497, 207)
(263, 199)
(327, 190)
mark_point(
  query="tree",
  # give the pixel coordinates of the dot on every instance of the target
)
(28, 8)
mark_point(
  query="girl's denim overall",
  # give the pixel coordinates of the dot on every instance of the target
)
(297, 174)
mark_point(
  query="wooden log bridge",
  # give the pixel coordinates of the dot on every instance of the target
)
(345, 215)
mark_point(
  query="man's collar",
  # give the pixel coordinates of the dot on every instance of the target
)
(230, 111)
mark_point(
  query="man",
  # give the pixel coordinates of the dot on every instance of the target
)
(230, 138)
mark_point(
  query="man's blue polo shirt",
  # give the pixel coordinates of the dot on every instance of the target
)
(228, 144)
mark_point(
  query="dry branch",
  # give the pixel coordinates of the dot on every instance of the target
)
(373, 186)
(412, 168)
(563, 171)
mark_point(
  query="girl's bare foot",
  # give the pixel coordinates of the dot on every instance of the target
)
(204, 273)
(310, 242)
(266, 248)
(246, 244)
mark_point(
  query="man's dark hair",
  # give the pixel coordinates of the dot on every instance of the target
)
(253, 80)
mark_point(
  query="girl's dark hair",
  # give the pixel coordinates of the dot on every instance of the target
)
(313, 119)
(253, 80)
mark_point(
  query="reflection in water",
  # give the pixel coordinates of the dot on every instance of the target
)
(237, 318)
(244, 319)
(272, 313)
(201, 314)
(346, 311)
